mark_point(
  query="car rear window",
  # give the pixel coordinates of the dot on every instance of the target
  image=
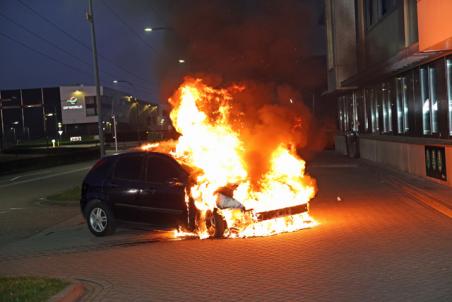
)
(100, 170)
(128, 167)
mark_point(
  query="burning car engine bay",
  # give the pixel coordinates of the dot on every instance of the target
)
(230, 217)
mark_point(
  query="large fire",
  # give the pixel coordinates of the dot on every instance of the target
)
(211, 144)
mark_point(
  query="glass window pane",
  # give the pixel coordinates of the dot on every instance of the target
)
(366, 118)
(423, 78)
(389, 106)
(404, 87)
(340, 114)
(434, 99)
(374, 109)
(354, 108)
(399, 91)
(386, 107)
(402, 104)
(129, 167)
(161, 170)
(449, 91)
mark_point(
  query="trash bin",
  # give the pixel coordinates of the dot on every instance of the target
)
(352, 142)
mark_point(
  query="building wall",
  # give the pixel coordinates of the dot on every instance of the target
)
(399, 101)
(385, 38)
(341, 41)
(407, 157)
(73, 104)
(30, 114)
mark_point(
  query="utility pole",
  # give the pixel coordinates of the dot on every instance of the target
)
(90, 18)
(115, 133)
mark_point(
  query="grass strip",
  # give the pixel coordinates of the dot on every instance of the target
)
(70, 195)
(32, 289)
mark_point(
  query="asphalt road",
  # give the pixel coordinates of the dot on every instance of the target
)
(21, 212)
(374, 242)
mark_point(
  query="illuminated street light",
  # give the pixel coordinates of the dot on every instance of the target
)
(181, 61)
(148, 29)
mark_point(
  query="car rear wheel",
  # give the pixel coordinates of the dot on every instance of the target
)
(99, 218)
(215, 223)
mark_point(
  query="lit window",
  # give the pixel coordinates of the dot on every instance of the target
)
(340, 114)
(354, 108)
(449, 91)
(374, 116)
(425, 97)
(429, 100)
(402, 104)
(366, 119)
(387, 110)
(91, 105)
(433, 98)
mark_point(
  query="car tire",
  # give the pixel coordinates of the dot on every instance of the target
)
(215, 223)
(99, 218)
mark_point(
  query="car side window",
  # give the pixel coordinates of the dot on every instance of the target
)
(161, 170)
(128, 167)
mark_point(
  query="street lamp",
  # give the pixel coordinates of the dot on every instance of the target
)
(46, 116)
(125, 82)
(151, 29)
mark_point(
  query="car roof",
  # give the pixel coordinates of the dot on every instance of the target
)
(129, 152)
(158, 154)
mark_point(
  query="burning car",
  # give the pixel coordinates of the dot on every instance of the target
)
(229, 173)
(150, 187)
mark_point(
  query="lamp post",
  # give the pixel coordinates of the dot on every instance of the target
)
(115, 133)
(90, 18)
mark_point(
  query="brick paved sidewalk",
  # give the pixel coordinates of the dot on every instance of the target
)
(374, 244)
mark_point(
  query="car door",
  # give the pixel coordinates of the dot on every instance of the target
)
(163, 193)
(123, 186)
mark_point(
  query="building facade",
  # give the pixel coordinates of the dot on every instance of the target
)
(70, 113)
(390, 72)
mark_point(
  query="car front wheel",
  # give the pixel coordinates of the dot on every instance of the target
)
(215, 223)
(99, 218)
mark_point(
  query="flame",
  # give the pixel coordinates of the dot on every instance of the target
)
(210, 142)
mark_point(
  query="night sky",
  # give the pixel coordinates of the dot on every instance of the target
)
(47, 43)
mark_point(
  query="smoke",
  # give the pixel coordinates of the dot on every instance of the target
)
(264, 46)
(253, 40)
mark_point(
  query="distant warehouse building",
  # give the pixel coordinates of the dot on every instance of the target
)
(390, 72)
(42, 113)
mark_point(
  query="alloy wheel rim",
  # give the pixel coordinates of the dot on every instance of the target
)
(98, 220)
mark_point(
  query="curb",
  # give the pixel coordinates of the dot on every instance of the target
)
(421, 196)
(71, 293)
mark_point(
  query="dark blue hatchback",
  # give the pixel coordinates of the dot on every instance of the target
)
(138, 187)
